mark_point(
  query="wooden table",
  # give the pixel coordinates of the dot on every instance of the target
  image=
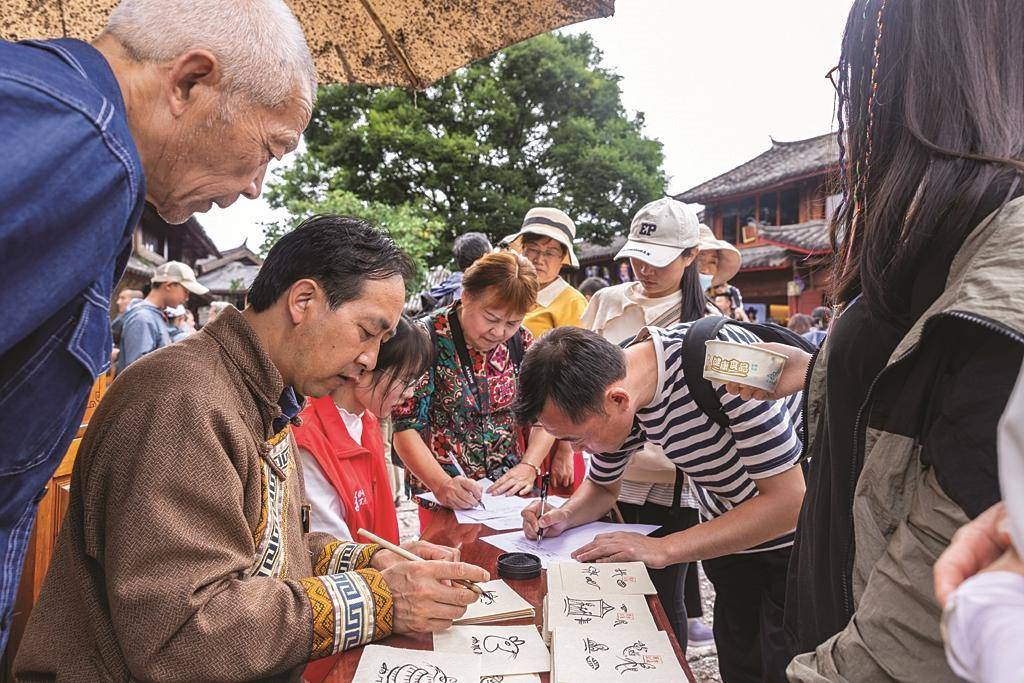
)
(445, 530)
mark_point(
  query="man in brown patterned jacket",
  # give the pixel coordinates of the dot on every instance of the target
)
(184, 554)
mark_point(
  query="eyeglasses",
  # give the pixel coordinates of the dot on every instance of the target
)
(531, 252)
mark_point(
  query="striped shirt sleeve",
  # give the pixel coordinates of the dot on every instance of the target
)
(606, 468)
(765, 434)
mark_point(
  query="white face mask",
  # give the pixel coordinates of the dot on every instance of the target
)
(705, 281)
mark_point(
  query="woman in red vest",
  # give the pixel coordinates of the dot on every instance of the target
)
(340, 441)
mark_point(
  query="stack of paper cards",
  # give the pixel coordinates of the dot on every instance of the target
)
(498, 603)
(381, 664)
(636, 654)
(609, 578)
(504, 650)
(594, 613)
(516, 678)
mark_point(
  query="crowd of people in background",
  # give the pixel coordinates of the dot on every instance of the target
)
(852, 519)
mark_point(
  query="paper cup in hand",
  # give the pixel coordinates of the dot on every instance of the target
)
(744, 364)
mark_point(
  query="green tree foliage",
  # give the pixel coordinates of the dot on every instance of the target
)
(416, 234)
(540, 123)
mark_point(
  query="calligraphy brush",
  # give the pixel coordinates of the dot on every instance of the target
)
(413, 558)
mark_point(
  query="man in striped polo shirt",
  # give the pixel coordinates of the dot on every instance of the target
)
(609, 401)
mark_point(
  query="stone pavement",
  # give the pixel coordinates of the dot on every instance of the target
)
(703, 661)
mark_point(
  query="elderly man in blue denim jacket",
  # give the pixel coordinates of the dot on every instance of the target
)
(181, 103)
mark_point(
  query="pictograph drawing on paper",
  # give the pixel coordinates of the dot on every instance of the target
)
(507, 644)
(634, 658)
(413, 673)
(586, 609)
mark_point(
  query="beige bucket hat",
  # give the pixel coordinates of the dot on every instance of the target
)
(729, 257)
(547, 222)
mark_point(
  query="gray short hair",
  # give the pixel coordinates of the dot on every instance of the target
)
(262, 50)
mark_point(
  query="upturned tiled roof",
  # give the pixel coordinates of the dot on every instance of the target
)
(808, 238)
(140, 266)
(232, 278)
(767, 256)
(589, 253)
(784, 160)
(241, 253)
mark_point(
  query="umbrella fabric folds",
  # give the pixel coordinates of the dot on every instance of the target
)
(374, 42)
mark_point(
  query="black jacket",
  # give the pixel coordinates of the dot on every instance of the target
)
(950, 394)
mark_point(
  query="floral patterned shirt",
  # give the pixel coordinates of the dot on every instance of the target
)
(444, 410)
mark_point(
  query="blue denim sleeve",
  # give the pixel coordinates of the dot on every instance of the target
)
(60, 190)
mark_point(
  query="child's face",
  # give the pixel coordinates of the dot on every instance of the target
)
(372, 390)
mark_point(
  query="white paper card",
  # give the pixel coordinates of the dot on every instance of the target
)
(610, 578)
(560, 548)
(517, 678)
(502, 512)
(499, 602)
(494, 507)
(503, 649)
(641, 656)
(599, 613)
(382, 664)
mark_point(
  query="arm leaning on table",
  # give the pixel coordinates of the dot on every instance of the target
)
(406, 596)
(766, 442)
(412, 428)
(768, 515)
(165, 524)
(590, 502)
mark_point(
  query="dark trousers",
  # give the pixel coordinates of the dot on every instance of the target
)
(750, 593)
(678, 585)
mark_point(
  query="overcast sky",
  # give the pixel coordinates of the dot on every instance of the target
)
(715, 80)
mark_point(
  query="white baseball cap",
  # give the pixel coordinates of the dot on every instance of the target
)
(176, 271)
(660, 232)
(547, 222)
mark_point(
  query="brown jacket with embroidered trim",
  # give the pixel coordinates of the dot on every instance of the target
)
(182, 555)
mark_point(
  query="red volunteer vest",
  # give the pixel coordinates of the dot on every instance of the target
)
(356, 472)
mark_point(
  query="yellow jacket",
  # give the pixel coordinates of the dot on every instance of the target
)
(559, 304)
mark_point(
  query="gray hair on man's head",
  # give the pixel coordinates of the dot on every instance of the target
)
(262, 51)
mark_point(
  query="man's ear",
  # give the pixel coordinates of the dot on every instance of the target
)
(195, 67)
(301, 297)
(616, 400)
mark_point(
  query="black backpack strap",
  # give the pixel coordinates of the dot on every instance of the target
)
(694, 351)
(515, 349)
(677, 492)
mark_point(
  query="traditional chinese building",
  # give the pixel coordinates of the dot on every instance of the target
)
(229, 275)
(775, 208)
(597, 260)
(156, 242)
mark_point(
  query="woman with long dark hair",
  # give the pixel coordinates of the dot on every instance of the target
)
(664, 239)
(904, 398)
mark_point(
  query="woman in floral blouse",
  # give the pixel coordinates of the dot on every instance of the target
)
(458, 426)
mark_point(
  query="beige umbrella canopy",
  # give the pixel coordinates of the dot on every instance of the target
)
(376, 42)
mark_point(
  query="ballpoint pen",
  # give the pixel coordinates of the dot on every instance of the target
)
(462, 473)
(544, 482)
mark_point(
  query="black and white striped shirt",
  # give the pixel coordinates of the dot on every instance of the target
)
(761, 440)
